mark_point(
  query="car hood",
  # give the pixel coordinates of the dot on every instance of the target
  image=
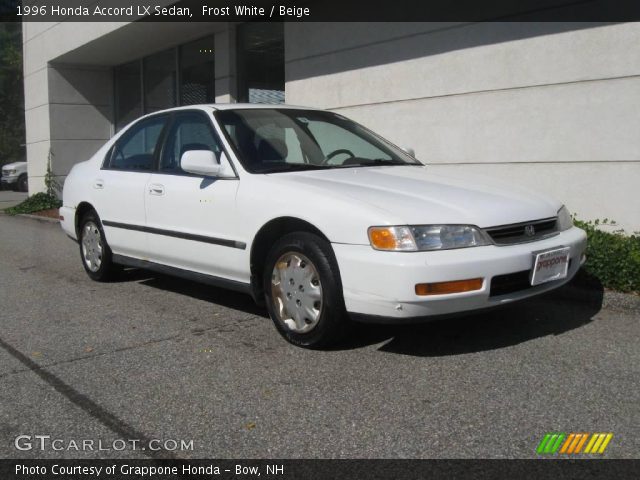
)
(13, 165)
(417, 195)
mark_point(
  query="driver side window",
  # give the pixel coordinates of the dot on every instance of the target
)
(136, 149)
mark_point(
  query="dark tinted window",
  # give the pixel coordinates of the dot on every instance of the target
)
(128, 94)
(135, 150)
(197, 72)
(160, 81)
(261, 62)
(190, 131)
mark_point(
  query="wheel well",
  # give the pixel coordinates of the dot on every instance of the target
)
(265, 239)
(81, 210)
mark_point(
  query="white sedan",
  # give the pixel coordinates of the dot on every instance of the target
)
(319, 218)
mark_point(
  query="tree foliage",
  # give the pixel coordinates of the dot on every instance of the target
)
(12, 137)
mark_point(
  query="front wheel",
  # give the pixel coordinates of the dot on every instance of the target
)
(303, 291)
(94, 251)
(23, 183)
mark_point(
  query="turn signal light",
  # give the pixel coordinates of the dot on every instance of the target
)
(396, 239)
(382, 239)
(441, 288)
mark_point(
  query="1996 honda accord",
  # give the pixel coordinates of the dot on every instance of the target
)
(315, 215)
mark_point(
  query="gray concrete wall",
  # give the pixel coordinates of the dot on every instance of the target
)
(550, 106)
(67, 108)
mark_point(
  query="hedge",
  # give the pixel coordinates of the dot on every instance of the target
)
(612, 257)
(35, 203)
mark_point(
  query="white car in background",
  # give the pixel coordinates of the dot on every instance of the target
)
(14, 176)
(314, 215)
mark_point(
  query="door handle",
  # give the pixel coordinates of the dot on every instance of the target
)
(156, 189)
(99, 183)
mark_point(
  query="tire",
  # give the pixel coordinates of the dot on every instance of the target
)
(95, 253)
(306, 282)
(23, 183)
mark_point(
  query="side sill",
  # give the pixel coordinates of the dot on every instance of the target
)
(186, 274)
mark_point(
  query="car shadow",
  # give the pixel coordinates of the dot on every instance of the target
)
(220, 296)
(554, 313)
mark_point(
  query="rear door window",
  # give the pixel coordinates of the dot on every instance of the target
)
(136, 149)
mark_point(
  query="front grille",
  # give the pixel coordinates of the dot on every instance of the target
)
(523, 232)
(512, 282)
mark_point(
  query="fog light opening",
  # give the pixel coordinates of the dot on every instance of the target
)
(443, 288)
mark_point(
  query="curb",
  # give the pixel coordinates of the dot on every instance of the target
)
(38, 218)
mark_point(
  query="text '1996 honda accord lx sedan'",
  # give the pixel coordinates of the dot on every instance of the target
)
(316, 216)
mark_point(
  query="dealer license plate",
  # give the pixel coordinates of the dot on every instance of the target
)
(550, 265)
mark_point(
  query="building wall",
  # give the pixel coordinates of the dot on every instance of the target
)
(548, 106)
(67, 108)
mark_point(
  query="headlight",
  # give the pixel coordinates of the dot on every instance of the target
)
(565, 222)
(9, 172)
(426, 237)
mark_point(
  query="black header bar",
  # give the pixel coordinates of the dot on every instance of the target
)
(318, 10)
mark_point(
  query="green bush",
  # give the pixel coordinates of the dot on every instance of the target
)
(612, 257)
(35, 203)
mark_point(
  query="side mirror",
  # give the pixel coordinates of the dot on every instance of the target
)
(200, 162)
(410, 151)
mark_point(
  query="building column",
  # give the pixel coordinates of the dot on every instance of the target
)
(225, 60)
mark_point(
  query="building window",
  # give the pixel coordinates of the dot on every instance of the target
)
(160, 81)
(153, 83)
(261, 62)
(197, 72)
(128, 94)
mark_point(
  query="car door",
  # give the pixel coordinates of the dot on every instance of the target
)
(192, 219)
(119, 187)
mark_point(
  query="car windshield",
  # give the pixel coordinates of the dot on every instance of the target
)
(283, 140)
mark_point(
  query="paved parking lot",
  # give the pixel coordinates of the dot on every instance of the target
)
(150, 357)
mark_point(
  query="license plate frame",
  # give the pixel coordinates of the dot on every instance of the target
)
(549, 265)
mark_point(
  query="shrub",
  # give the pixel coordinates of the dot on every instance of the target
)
(35, 203)
(612, 257)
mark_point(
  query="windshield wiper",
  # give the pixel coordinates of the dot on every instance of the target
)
(291, 167)
(370, 162)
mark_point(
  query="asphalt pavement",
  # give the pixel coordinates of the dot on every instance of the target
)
(150, 357)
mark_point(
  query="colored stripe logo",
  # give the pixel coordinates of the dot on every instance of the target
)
(573, 443)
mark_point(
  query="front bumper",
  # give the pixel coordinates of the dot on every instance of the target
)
(9, 179)
(381, 285)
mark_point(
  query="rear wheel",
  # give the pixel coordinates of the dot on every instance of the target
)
(94, 251)
(303, 291)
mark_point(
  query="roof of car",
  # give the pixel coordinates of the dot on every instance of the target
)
(236, 106)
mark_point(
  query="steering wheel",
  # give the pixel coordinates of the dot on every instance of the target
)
(338, 152)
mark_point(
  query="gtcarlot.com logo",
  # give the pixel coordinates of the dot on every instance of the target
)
(46, 442)
(574, 443)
